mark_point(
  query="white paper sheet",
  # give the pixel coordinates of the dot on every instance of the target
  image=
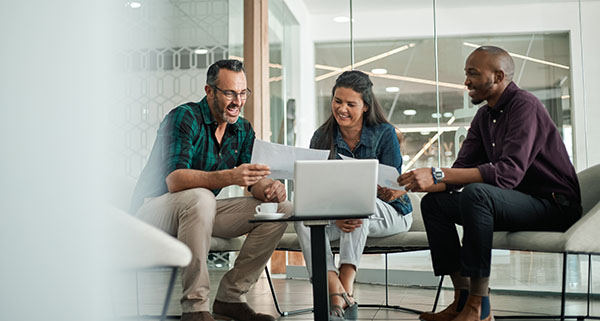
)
(387, 176)
(281, 158)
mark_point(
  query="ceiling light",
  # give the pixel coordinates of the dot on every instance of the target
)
(409, 112)
(417, 129)
(451, 121)
(341, 19)
(447, 114)
(379, 71)
(415, 80)
(425, 133)
(436, 115)
(545, 62)
(134, 4)
(392, 89)
(364, 62)
(201, 51)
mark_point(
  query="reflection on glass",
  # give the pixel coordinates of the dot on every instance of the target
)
(407, 89)
(165, 53)
(283, 39)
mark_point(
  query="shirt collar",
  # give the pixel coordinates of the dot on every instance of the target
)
(209, 119)
(506, 96)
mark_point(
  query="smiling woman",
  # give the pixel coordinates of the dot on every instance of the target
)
(347, 108)
(357, 129)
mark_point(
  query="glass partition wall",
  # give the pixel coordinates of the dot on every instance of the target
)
(283, 76)
(415, 54)
(434, 115)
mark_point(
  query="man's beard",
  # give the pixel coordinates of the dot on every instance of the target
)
(487, 86)
(221, 112)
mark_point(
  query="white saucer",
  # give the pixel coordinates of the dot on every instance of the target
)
(268, 216)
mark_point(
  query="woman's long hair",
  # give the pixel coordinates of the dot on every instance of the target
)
(360, 83)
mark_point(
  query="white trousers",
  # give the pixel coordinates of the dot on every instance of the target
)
(353, 243)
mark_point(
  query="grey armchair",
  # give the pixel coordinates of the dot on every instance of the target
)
(581, 238)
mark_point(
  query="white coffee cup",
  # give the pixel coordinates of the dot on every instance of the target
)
(265, 208)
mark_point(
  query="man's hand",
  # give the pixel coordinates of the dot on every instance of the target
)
(418, 180)
(269, 190)
(348, 226)
(388, 194)
(249, 174)
(275, 192)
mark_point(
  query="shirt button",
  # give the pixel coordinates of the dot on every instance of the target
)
(494, 121)
(493, 144)
(501, 110)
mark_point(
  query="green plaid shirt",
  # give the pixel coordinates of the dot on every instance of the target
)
(186, 139)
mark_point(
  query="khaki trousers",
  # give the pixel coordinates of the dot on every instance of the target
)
(193, 216)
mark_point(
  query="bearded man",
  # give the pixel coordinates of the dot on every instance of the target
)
(515, 174)
(201, 148)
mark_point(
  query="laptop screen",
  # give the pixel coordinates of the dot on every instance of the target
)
(335, 187)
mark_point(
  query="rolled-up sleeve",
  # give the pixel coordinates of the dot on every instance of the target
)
(472, 152)
(246, 149)
(180, 130)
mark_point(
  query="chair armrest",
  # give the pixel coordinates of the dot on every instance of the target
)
(134, 244)
(583, 235)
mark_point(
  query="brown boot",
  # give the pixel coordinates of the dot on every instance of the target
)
(449, 313)
(477, 308)
(239, 311)
(197, 316)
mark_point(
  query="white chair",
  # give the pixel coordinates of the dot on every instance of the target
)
(147, 247)
(136, 245)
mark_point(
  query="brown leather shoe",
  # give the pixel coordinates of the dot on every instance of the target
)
(450, 312)
(197, 316)
(477, 308)
(239, 311)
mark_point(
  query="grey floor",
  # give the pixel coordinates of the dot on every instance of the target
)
(525, 289)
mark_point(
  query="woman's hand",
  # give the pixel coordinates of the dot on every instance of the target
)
(388, 194)
(349, 225)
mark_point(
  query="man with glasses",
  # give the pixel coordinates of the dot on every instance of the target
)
(201, 148)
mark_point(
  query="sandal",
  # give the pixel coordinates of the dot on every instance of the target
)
(336, 313)
(351, 311)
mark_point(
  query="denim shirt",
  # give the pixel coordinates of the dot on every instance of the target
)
(376, 142)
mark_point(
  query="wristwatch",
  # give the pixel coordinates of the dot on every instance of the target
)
(438, 175)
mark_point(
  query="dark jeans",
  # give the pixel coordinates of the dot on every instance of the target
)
(482, 209)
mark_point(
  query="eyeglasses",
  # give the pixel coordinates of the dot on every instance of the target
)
(232, 95)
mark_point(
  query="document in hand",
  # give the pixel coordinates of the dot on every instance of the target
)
(387, 176)
(281, 158)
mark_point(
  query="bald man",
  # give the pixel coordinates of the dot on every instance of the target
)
(516, 176)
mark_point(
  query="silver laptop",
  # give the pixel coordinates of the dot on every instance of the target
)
(329, 188)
